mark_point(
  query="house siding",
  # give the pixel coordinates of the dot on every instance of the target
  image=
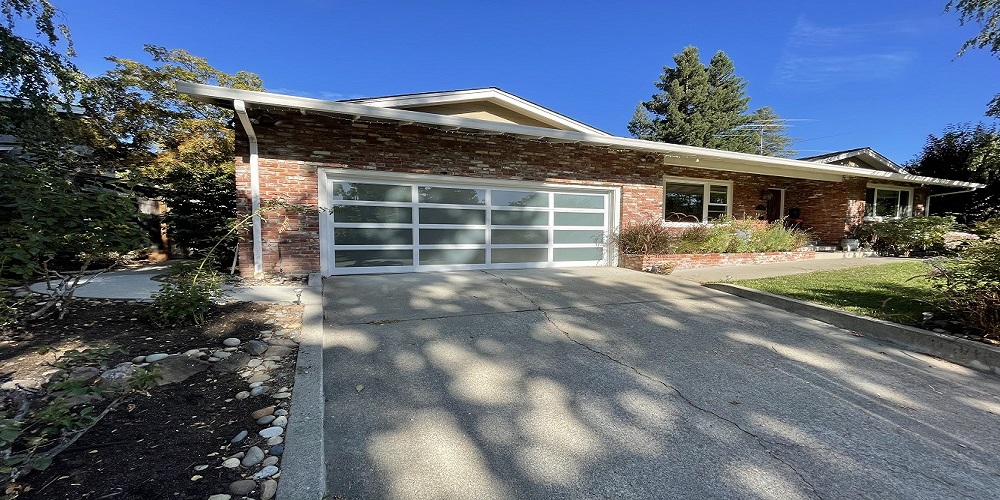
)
(291, 152)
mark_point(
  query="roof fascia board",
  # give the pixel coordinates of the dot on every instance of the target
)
(764, 164)
(496, 96)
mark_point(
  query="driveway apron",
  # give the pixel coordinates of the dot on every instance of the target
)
(609, 383)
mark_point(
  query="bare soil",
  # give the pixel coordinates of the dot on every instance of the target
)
(149, 445)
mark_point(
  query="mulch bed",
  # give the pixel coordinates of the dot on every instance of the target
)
(147, 447)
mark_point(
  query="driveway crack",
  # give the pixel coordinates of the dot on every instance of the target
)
(760, 440)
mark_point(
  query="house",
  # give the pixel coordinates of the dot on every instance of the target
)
(478, 179)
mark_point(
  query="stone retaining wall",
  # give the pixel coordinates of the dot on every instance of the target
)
(699, 260)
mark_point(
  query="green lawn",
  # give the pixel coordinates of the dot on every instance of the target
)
(895, 292)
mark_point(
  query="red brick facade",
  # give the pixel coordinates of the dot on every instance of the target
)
(292, 151)
(699, 260)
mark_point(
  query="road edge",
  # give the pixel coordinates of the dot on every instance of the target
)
(975, 355)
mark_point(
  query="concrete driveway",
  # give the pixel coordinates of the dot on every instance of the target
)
(608, 383)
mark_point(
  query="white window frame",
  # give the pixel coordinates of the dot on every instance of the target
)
(707, 186)
(908, 212)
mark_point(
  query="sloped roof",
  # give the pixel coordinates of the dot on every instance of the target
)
(431, 101)
(675, 154)
(866, 157)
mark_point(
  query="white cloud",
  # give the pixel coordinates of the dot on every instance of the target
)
(820, 57)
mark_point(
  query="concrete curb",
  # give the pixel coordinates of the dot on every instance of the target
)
(303, 463)
(975, 355)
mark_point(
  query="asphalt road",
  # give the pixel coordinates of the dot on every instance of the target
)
(608, 383)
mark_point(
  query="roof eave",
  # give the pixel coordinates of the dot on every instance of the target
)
(223, 96)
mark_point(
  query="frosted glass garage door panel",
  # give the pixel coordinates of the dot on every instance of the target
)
(370, 214)
(519, 199)
(372, 236)
(452, 256)
(452, 216)
(520, 255)
(519, 218)
(579, 201)
(452, 236)
(579, 219)
(373, 258)
(452, 196)
(520, 237)
(570, 236)
(358, 191)
(578, 254)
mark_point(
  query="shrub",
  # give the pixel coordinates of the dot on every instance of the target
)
(987, 229)
(726, 235)
(189, 296)
(970, 286)
(909, 234)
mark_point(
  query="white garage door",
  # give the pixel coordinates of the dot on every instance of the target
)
(378, 224)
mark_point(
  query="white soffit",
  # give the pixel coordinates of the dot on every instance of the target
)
(675, 154)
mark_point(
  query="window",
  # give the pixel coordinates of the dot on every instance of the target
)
(691, 200)
(888, 202)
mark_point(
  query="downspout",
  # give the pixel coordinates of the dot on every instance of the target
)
(927, 201)
(258, 243)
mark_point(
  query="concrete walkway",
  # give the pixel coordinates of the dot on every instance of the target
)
(138, 284)
(733, 273)
(609, 383)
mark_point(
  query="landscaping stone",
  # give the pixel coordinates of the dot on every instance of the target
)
(262, 412)
(255, 362)
(261, 389)
(283, 342)
(253, 457)
(282, 395)
(231, 463)
(272, 460)
(271, 432)
(222, 354)
(242, 395)
(153, 358)
(280, 412)
(139, 359)
(202, 467)
(231, 342)
(259, 377)
(267, 489)
(21, 384)
(220, 496)
(193, 352)
(276, 450)
(178, 368)
(242, 487)
(280, 421)
(213, 359)
(239, 437)
(275, 440)
(268, 471)
(117, 376)
(278, 351)
(256, 347)
(266, 419)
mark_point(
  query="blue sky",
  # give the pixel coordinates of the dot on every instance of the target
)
(878, 73)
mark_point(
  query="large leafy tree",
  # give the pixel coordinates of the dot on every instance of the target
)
(167, 138)
(986, 13)
(707, 106)
(967, 153)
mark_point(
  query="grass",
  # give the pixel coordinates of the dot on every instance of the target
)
(897, 292)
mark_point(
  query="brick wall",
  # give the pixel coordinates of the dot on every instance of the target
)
(291, 152)
(700, 260)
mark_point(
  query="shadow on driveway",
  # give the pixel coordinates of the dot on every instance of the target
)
(608, 383)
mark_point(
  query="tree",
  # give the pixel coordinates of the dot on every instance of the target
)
(987, 14)
(706, 107)
(166, 138)
(966, 153)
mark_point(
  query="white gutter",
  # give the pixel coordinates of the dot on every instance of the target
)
(927, 201)
(764, 165)
(258, 240)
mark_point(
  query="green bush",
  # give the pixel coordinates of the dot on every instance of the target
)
(987, 229)
(909, 235)
(726, 235)
(189, 295)
(970, 286)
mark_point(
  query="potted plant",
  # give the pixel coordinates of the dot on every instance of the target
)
(852, 238)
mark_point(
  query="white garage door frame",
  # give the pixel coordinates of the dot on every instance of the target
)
(327, 176)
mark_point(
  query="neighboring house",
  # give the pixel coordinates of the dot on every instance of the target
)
(478, 179)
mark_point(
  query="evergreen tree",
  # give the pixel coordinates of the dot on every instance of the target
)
(707, 107)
